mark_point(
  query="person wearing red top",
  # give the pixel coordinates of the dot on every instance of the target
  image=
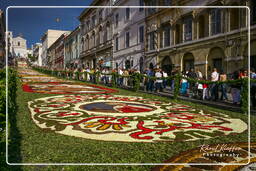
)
(205, 90)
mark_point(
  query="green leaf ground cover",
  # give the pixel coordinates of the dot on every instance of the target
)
(30, 144)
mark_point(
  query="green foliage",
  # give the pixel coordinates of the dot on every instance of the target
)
(137, 78)
(32, 58)
(12, 107)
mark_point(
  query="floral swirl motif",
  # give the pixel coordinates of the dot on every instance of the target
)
(129, 119)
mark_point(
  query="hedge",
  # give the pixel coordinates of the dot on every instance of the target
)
(137, 78)
(12, 107)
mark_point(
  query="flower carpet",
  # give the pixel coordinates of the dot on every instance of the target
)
(129, 119)
(36, 82)
(65, 88)
(40, 79)
(232, 153)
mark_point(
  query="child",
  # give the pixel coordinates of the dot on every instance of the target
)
(205, 90)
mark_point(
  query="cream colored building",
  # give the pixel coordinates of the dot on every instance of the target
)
(37, 52)
(200, 38)
(49, 37)
(20, 47)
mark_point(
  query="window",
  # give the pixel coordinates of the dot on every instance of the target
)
(100, 15)
(141, 34)
(188, 29)
(141, 4)
(18, 43)
(117, 44)
(127, 39)
(151, 10)
(93, 21)
(88, 24)
(117, 19)
(127, 13)
(215, 21)
(167, 38)
(152, 40)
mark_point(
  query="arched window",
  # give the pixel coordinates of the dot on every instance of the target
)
(234, 18)
(188, 62)
(107, 32)
(87, 42)
(201, 23)
(82, 44)
(151, 66)
(100, 36)
(166, 65)
(93, 39)
(127, 64)
(215, 59)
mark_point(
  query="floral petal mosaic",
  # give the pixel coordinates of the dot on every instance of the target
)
(65, 88)
(129, 119)
(232, 153)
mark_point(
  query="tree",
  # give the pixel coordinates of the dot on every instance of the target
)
(32, 58)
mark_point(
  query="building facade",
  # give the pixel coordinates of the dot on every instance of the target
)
(197, 38)
(20, 47)
(128, 35)
(55, 55)
(96, 35)
(72, 48)
(49, 37)
(37, 53)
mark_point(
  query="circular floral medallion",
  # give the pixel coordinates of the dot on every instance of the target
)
(65, 88)
(129, 119)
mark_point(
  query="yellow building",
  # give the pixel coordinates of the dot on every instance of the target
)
(200, 38)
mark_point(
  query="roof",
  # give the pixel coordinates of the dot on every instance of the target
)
(88, 9)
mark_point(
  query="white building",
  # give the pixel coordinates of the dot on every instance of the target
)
(20, 47)
(10, 44)
(72, 47)
(49, 37)
(128, 35)
(37, 52)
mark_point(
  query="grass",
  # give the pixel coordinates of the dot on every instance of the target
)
(30, 144)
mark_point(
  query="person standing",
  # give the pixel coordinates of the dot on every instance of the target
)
(199, 74)
(159, 80)
(150, 83)
(120, 77)
(253, 87)
(184, 84)
(235, 88)
(126, 76)
(223, 86)
(165, 75)
(205, 90)
(214, 86)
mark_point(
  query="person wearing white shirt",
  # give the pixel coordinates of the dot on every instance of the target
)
(120, 80)
(159, 81)
(214, 87)
(165, 75)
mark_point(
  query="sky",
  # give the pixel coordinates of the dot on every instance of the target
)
(32, 23)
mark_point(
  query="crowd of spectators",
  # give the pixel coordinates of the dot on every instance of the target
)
(213, 91)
